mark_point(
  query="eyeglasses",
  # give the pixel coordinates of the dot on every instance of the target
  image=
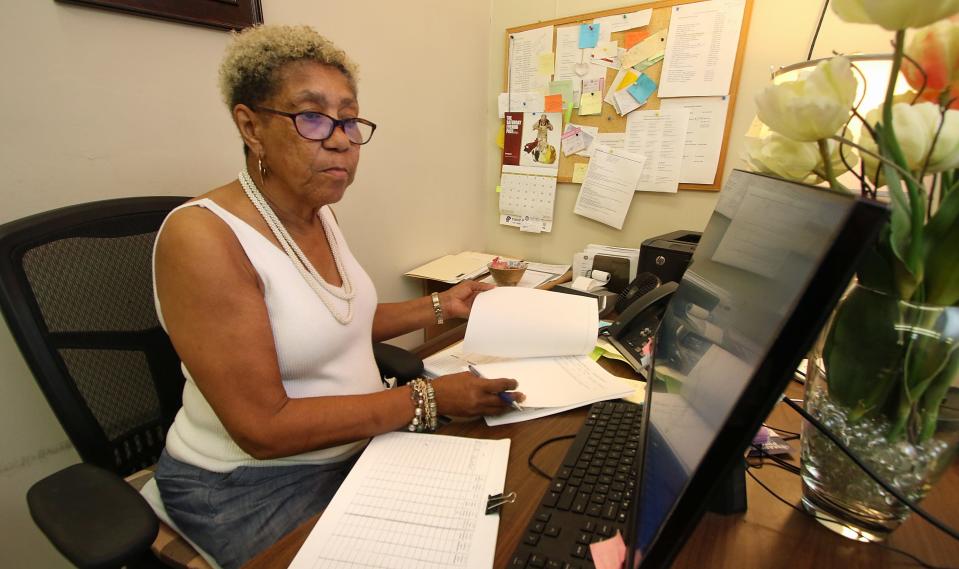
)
(313, 125)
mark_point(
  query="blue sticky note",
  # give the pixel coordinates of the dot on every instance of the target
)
(642, 88)
(588, 35)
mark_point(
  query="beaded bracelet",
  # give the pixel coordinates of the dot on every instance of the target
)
(424, 414)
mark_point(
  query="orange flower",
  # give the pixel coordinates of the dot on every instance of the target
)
(936, 49)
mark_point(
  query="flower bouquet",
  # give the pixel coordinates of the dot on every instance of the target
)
(883, 371)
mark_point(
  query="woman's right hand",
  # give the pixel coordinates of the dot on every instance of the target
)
(466, 395)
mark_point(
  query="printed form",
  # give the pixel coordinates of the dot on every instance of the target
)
(524, 50)
(412, 501)
(572, 63)
(704, 136)
(701, 48)
(610, 183)
(660, 136)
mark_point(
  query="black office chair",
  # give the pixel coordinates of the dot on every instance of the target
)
(76, 290)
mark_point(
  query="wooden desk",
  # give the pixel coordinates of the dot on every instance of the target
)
(769, 534)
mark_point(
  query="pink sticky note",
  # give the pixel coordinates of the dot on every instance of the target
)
(609, 553)
(554, 103)
(634, 37)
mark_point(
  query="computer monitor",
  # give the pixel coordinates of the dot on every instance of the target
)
(770, 266)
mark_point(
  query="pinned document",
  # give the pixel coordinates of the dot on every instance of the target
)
(622, 22)
(575, 140)
(524, 49)
(609, 186)
(660, 136)
(703, 39)
(704, 136)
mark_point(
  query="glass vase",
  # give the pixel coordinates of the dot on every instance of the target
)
(883, 377)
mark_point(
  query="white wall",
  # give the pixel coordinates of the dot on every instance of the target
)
(98, 104)
(779, 34)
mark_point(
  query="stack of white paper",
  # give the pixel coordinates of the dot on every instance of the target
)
(412, 501)
(539, 338)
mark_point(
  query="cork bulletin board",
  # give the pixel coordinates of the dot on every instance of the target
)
(609, 121)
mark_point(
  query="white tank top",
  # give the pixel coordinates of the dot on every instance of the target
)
(317, 355)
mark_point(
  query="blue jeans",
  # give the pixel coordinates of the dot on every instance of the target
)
(235, 515)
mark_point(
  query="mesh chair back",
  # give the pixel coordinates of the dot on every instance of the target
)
(76, 290)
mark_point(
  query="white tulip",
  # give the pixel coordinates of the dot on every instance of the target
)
(945, 154)
(895, 14)
(915, 128)
(813, 108)
(783, 157)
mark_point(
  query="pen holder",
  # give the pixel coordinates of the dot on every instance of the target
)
(507, 275)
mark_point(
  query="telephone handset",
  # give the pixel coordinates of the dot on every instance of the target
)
(644, 314)
(643, 283)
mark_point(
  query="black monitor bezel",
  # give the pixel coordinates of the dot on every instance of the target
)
(860, 228)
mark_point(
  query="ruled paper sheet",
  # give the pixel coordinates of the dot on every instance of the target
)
(412, 501)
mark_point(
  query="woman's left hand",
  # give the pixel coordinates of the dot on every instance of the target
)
(458, 300)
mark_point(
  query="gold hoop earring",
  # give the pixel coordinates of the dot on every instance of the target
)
(262, 167)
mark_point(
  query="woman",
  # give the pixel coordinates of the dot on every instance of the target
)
(274, 319)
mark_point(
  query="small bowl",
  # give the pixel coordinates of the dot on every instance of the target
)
(507, 277)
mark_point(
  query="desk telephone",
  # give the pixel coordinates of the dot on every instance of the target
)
(640, 307)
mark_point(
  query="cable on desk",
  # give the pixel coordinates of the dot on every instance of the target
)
(757, 463)
(778, 430)
(538, 448)
(871, 473)
(814, 516)
(785, 465)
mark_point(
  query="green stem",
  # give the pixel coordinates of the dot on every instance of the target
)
(834, 184)
(906, 174)
(916, 203)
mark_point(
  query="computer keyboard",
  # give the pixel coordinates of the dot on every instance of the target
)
(590, 496)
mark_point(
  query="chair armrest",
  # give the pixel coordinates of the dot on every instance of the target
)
(397, 362)
(92, 516)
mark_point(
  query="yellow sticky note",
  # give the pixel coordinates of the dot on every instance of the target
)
(500, 189)
(579, 172)
(544, 63)
(567, 111)
(628, 79)
(590, 104)
(501, 135)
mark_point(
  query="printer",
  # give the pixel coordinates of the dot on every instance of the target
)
(667, 256)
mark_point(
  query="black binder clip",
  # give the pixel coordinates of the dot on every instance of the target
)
(496, 501)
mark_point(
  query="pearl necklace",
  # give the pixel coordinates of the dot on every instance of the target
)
(306, 269)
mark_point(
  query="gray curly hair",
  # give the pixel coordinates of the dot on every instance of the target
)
(248, 71)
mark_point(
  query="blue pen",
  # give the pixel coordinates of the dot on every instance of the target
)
(505, 397)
